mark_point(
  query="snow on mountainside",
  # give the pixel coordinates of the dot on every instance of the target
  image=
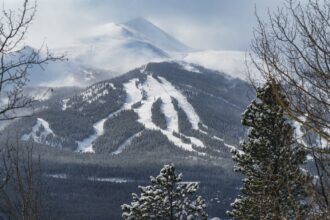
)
(40, 133)
(179, 105)
(152, 89)
(176, 103)
(125, 46)
(155, 88)
(122, 47)
(107, 51)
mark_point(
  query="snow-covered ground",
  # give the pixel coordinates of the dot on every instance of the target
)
(164, 90)
(65, 104)
(39, 132)
(133, 92)
(189, 67)
(133, 95)
(153, 89)
(170, 91)
(86, 145)
(95, 92)
(64, 176)
(231, 147)
(58, 176)
(148, 93)
(125, 144)
(109, 180)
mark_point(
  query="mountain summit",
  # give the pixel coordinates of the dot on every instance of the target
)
(155, 35)
(124, 46)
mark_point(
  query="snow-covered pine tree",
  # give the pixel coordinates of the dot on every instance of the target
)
(166, 199)
(270, 161)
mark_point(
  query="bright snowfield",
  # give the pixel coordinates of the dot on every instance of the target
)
(94, 179)
(65, 104)
(86, 145)
(109, 180)
(117, 47)
(153, 89)
(94, 94)
(165, 90)
(39, 137)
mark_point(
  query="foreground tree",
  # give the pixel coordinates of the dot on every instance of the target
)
(292, 47)
(270, 160)
(167, 198)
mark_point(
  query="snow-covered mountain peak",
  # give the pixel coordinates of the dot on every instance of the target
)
(155, 35)
(122, 47)
(139, 22)
(138, 29)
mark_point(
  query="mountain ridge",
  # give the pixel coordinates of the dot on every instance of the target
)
(156, 35)
(83, 121)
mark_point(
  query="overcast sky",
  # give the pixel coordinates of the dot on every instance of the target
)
(202, 24)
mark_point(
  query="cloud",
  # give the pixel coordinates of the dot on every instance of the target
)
(207, 24)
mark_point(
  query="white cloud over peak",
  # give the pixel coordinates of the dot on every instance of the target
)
(207, 24)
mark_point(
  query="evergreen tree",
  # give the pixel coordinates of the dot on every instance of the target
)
(270, 160)
(167, 198)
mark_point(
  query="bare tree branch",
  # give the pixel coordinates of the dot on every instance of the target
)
(17, 60)
(292, 49)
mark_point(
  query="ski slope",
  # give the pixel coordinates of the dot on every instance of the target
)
(134, 95)
(161, 88)
(40, 132)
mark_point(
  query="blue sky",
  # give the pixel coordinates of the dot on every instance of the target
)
(202, 24)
